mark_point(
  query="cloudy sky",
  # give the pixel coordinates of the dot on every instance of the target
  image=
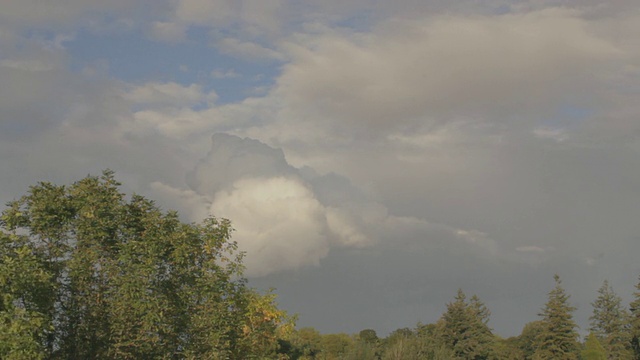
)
(374, 156)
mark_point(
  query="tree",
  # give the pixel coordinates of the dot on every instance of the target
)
(558, 339)
(335, 346)
(527, 339)
(305, 344)
(635, 323)
(609, 323)
(400, 344)
(368, 336)
(430, 344)
(593, 350)
(463, 328)
(87, 274)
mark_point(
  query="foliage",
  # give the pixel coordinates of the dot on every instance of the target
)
(368, 336)
(507, 349)
(558, 338)
(463, 328)
(87, 274)
(335, 346)
(635, 322)
(593, 350)
(304, 344)
(609, 323)
(526, 342)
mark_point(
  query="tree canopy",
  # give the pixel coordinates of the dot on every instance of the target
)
(87, 273)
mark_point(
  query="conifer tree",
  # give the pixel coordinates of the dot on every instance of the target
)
(558, 338)
(463, 328)
(593, 350)
(609, 323)
(635, 323)
(527, 339)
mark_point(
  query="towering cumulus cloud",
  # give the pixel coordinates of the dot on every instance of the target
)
(285, 219)
(288, 218)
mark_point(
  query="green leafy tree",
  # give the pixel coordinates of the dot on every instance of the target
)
(365, 346)
(635, 322)
(430, 345)
(369, 336)
(400, 344)
(305, 344)
(558, 339)
(609, 323)
(593, 350)
(361, 350)
(335, 346)
(87, 274)
(23, 324)
(463, 328)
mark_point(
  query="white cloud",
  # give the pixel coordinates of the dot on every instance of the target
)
(168, 31)
(189, 204)
(428, 71)
(169, 94)
(248, 50)
(27, 65)
(344, 224)
(166, 108)
(545, 132)
(251, 18)
(176, 124)
(278, 222)
(224, 74)
(283, 220)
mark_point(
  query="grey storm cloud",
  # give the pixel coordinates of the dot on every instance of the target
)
(422, 147)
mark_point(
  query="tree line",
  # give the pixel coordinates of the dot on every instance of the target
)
(89, 273)
(463, 332)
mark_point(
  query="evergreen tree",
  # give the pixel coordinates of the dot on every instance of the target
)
(593, 350)
(609, 323)
(558, 338)
(528, 337)
(635, 323)
(463, 328)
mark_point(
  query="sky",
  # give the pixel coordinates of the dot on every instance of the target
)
(373, 156)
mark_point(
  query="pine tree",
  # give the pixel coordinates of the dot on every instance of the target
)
(463, 328)
(593, 350)
(558, 340)
(635, 323)
(609, 323)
